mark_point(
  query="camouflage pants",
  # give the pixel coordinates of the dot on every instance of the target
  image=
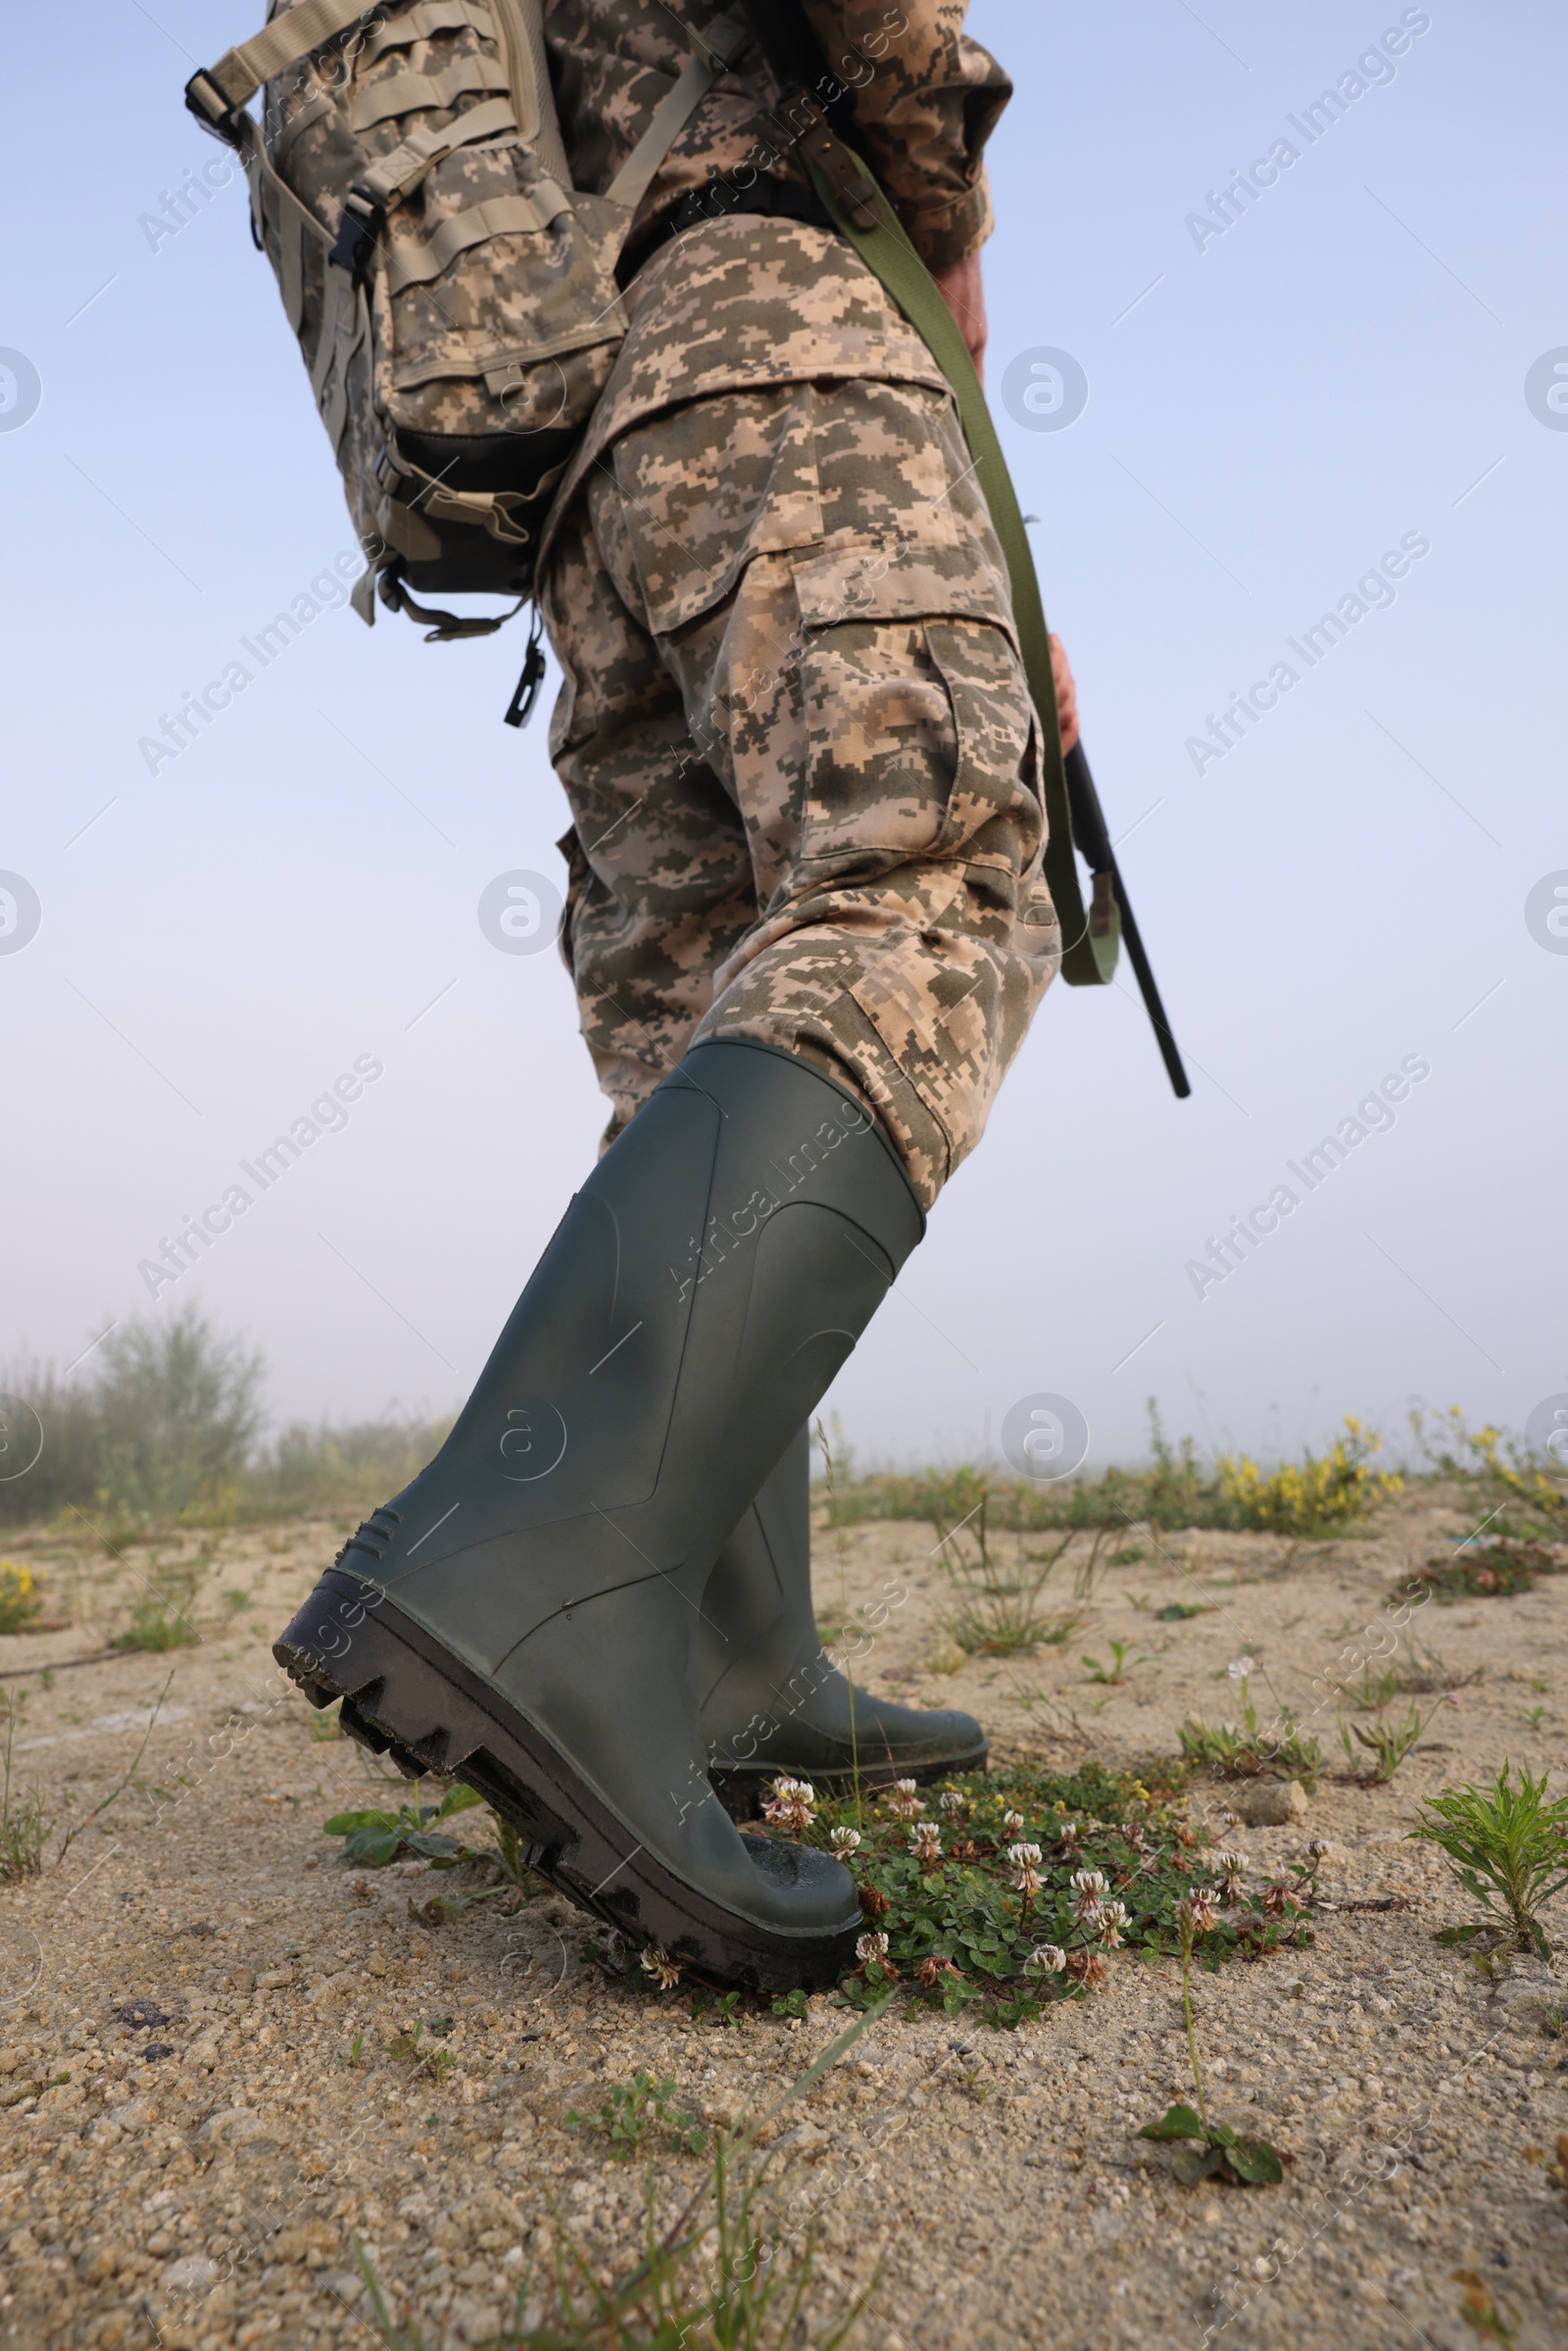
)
(801, 756)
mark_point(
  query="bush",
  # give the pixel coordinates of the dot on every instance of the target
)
(167, 1418)
(1327, 1491)
(163, 1423)
(1317, 1496)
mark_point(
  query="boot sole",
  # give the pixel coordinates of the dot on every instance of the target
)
(742, 1788)
(404, 1695)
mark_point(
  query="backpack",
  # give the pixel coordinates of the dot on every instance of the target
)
(454, 296)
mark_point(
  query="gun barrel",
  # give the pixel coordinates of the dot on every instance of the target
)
(1092, 837)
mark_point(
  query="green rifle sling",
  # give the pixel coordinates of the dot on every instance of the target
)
(1086, 961)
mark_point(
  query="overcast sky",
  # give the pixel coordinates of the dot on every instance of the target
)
(1311, 396)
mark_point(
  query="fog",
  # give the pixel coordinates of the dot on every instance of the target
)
(1334, 392)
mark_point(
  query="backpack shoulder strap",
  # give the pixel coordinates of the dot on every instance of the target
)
(216, 95)
(714, 48)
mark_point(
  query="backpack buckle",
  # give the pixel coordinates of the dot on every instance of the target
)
(359, 232)
(213, 110)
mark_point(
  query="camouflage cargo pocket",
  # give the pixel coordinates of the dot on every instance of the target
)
(917, 725)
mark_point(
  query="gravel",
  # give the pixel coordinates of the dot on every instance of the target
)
(215, 2197)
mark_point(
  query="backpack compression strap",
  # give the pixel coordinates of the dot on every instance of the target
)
(215, 96)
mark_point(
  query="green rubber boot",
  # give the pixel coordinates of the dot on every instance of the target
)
(523, 1615)
(772, 1702)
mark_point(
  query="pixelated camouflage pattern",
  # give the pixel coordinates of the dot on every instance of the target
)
(500, 304)
(745, 302)
(798, 750)
(926, 99)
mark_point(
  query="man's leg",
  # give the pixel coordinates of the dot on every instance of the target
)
(818, 571)
(660, 891)
(853, 744)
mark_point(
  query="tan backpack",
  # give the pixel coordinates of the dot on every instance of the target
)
(454, 296)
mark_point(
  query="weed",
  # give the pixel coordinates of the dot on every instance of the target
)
(24, 1825)
(735, 2282)
(1430, 1674)
(1481, 2311)
(1218, 2153)
(1250, 1750)
(1325, 1493)
(1374, 1689)
(1177, 1612)
(1508, 1846)
(1556, 2173)
(1388, 1744)
(1116, 1672)
(1535, 1716)
(1008, 1899)
(998, 1611)
(373, 1838)
(1319, 1495)
(160, 1620)
(407, 2048)
(642, 2110)
(721, 2008)
(21, 1602)
(1130, 1556)
(1486, 1568)
(1528, 1499)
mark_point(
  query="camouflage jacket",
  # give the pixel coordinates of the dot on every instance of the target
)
(926, 99)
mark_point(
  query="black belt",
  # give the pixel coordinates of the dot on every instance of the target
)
(780, 199)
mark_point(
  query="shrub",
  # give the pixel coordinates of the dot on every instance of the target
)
(1508, 1848)
(20, 1600)
(1318, 1497)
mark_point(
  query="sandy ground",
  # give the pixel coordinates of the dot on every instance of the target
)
(200, 2176)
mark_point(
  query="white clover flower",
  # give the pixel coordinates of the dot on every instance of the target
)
(1230, 1866)
(1049, 1958)
(791, 1806)
(925, 1842)
(908, 1802)
(1111, 1922)
(656, 1962)
(1318, 1846)
(1089, 1890)
(1240, 1667)
(844, 1841)
(1012, 1823)
(1024, 1863)
(869, 1947)
(953, 1802)
(1198, 1907)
